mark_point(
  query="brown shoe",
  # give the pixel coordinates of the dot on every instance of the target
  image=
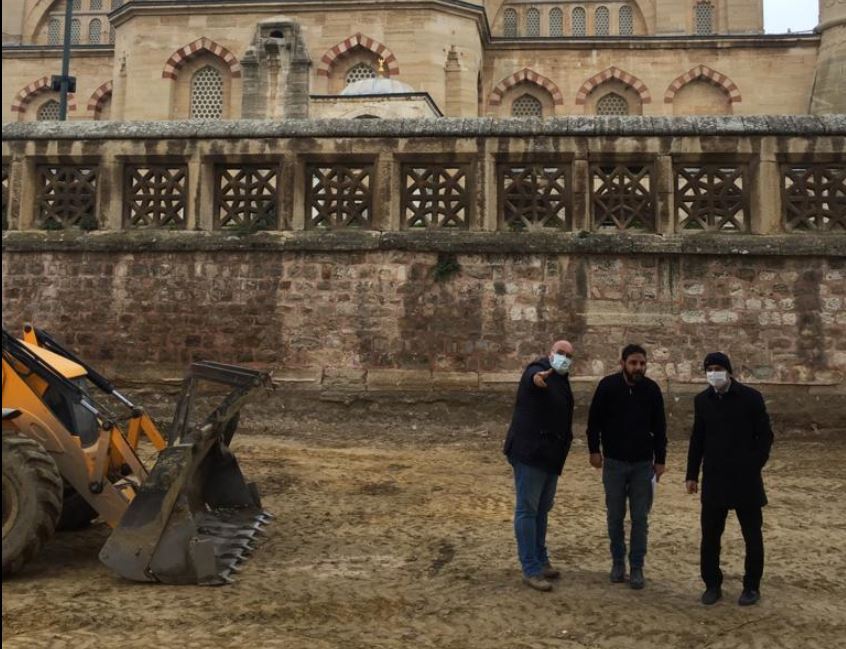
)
(550, 573)
(537, 582)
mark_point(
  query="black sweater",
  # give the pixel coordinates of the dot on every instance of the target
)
(628, 420)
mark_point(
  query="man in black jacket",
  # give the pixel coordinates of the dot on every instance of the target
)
(536, 446)
(732, 435)
(627, 439)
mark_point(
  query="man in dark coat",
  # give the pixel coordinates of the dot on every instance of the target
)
(627, 439)
(731, 440)
(536, 446)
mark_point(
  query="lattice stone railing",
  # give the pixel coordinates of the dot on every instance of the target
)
(339, 196)
(814, 197)
(712, 198)
(246, 197)
(668, 176)
(155, 196)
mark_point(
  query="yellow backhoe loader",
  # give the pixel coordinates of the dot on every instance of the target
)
(190, 519)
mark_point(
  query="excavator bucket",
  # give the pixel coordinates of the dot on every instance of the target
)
(194, 520)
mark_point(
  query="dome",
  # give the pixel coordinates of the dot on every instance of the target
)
(377, 86)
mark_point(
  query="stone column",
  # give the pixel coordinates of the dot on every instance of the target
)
(765, 201)
(829, 95)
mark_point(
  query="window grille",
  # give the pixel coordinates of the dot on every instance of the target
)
(359, 72)
(76, 31)
(96, 5)
(579, 22)
(612, 104)
(510, 23)
(556, 22)
(626, 21)
(533, 22)
(703, 18)
(527, 106)
(602, 26)
(49, 111)
(77, 5)
(95, 27)
(54, 32)
(207, 94)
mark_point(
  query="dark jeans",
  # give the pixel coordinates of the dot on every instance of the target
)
(632, 482)
(713, 524)
(535, 490)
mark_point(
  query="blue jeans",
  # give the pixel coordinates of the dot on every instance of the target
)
(535, 490)
(630, 481)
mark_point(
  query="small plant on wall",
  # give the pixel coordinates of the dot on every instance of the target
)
(446, 267)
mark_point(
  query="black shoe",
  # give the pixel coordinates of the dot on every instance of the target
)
(749, 597)
(712, 596)
(636, 580)
(618, 573)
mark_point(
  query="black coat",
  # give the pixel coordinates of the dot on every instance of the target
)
(731, 440)
(541, 428)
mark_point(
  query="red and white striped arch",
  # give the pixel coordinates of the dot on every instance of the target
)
(613, 73)
(358, 40)
(528, 76)
(200, 46)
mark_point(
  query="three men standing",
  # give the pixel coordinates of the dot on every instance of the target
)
(537, 444)
(627, 439)
(731, 441)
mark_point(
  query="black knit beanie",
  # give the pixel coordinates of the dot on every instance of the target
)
(718, 358)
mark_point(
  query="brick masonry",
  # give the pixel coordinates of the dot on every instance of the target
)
(398, 320)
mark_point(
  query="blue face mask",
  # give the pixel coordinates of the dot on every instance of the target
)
(560, 363)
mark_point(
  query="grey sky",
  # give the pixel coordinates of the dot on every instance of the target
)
(793, 15)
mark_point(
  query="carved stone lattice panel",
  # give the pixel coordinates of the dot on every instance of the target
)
(712, 198)
(155, 196)
(814, 197)
(339, 196)
(534, 197)
(247, 197)
(5, 196)
(67, 196)
(435, 196)
(622, 196)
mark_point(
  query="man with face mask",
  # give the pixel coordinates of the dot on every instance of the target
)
(537, 444)
(731, 441)
(627, 439)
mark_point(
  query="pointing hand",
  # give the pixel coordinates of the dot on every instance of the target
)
(539, 379)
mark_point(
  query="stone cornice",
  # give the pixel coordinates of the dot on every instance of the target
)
(552, 243)
(48, 51)
(720, 42)
(748, 126)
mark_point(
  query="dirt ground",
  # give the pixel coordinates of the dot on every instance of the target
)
(388, 536)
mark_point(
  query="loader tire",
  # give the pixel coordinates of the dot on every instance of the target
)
(77, 514)
(32, 500)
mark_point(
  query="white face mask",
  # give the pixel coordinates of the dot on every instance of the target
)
(717, 380)
(560, 363)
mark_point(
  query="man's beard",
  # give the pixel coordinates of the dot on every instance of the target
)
(634, 378)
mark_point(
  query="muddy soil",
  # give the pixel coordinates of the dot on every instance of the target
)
(400, 536)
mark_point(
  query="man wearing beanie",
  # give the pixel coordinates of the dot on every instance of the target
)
(731, 441)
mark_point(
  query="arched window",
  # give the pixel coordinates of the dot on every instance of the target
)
(207, 94)
(54, 32)
(49, 111)
(602, 21)
(509, 23)
(579, 22)
(556, 22)
(626, 21)
(703, 18)
(94, 29)
(532, 22)
(360, 71)
(527, 106)
(612, 104)
(76, 31)
(96, 5)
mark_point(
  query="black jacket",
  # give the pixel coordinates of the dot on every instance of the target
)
(731, 440)
(541, 428)
(628, 421)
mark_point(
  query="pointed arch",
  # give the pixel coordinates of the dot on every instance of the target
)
(613, 73)
(100, 97)
(29, 92)
(358, 40)
(530, 76)
(708, 74)
(180, 56)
